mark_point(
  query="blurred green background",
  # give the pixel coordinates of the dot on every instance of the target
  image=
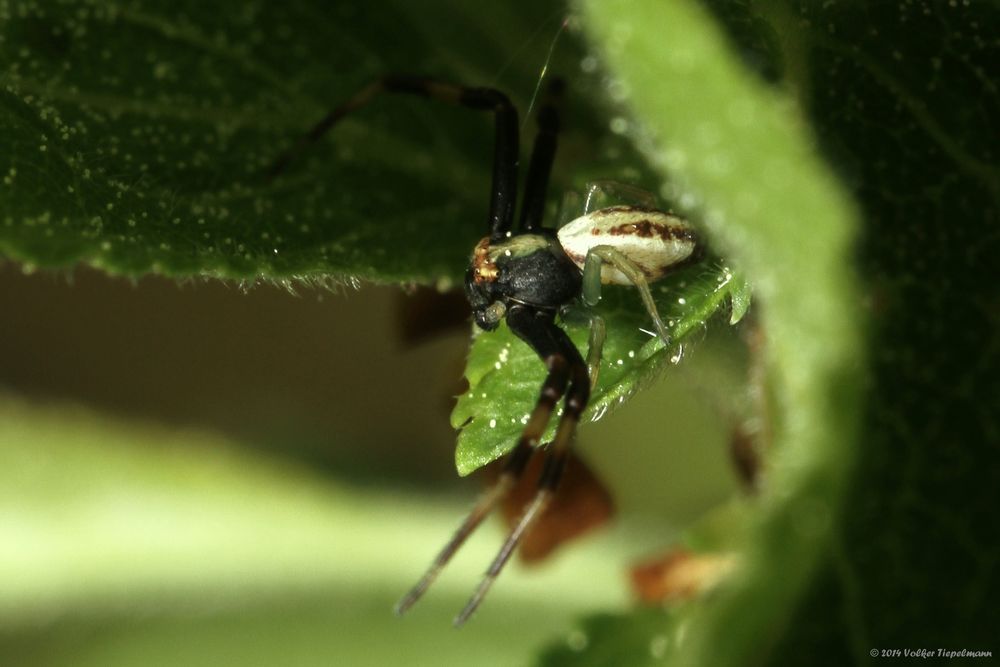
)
(194, 474)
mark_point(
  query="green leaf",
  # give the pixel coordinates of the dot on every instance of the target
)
(136, 135)
(641, 638)
(156, 164)
(740, 154)
(865, 538)
(505, 375)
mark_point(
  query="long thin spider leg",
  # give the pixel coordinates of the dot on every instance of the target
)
(552, 390)
(505, 148)
(595, 346)
(603, 254)
(358, 100)
(513, 468)
(557, 454)
(604, 189)
(533, 511)
(577, 315)
(542, 155)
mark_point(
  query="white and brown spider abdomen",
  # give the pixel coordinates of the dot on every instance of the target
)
(654, 241)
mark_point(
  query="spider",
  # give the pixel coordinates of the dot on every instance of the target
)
(527, 275)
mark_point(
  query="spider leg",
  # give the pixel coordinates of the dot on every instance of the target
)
(358, 100)
(525, 324)
(602, 254)
(542, 155)
(577, 315)
(514, 466)
(505, 148)
(595, 346)
(551, 343)
(613, 190)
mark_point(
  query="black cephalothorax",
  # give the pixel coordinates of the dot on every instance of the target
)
(524, 275)
(528, 270)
